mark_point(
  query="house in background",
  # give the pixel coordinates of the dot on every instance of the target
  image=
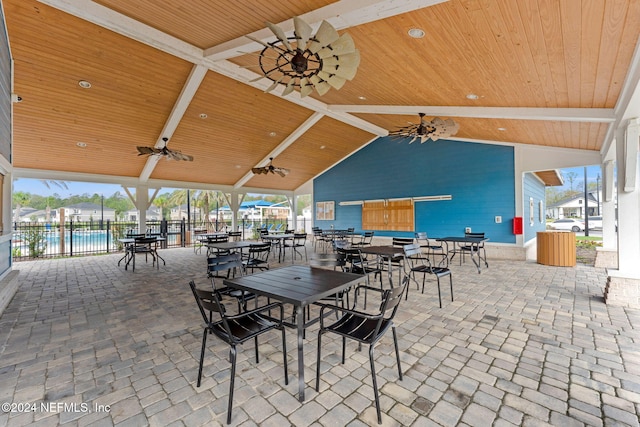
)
(85, 212)
(255, 211)
(574, 207)
(178, 213)
(40, 216)
(153, 214)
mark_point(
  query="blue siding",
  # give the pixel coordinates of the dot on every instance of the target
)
(533, 189)
(479, 177)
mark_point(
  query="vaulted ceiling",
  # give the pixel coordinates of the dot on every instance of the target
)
(545, 72)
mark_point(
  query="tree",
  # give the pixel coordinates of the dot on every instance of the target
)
(178, 198)
(571, 177)
(162, 202)
(20, 199)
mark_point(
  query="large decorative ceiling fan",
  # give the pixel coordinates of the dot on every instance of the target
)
(270, 169)
(434, 129)
(321, 62)
(164, 151)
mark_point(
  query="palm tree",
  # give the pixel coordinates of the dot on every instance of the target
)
(204, 200)
(178, 198)
(20, 199)
(162, 202)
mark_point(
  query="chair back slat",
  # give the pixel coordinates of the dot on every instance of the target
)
(223, 263)
(206, 300)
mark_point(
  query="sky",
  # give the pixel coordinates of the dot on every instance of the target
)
(592, 176)
(36, 186)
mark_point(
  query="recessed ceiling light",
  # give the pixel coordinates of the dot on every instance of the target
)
(362, 98)
(472, 96)
(272, 134)
(203, 116)
(238, 166)
(322, 147)
(81, 144)
(416, 33)
(502, 129)
(84, 84)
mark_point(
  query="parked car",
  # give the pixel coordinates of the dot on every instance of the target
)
(571, 224)
(595, 222)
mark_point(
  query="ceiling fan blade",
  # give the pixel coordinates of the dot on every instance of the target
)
(185, 157)
(279, 172)
(258, 41)
(335, 81)
(344, 66)
(320, 86)
(256, 79)
(147, 151)
(289, 88)
(302, 32)
(325, 36)
(273, 86)
(279, 34)
(414, 138)
(342, 46)
(305, 87)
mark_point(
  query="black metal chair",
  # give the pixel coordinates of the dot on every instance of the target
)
(365, 328)
(211, 251)
(432, 249)
(297, 244)
(146, 246)
(221, 267)
(236, 329)
(417, 262)
(364, 239)
(472, 248)
(257, 257)
(396, 261)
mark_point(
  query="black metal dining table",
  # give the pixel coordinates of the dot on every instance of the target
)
(280, 242)
(127, 242)
(384, 253)
(473, 241)
(301, 286)
(230, 246)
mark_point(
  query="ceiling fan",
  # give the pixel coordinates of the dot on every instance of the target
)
(270, 169)
(434, 129)
(164, 151)
(322, 61)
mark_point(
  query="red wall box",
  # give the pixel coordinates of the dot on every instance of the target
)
(517, 225)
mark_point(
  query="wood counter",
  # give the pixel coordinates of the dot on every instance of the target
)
(557, 248)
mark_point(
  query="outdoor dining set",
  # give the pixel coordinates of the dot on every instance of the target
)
(347, 286)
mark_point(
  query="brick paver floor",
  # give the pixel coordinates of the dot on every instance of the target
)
(85, 342)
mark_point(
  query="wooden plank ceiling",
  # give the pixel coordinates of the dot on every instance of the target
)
(545, 72)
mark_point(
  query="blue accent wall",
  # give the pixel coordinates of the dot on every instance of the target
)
(534, 189)
(479, 177)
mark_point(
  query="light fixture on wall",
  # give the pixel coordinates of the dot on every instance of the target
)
(434, 129)
(321, 62)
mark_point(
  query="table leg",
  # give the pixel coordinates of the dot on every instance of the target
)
(300, 325)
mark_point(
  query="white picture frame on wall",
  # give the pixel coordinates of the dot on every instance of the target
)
(326, 211)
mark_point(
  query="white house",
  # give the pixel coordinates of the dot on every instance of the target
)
(85, 212)
(575, 207)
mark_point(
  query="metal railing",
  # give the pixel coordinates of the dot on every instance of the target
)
(73, 238)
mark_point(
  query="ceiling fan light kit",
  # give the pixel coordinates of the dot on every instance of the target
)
(434, 129)
(321, 62)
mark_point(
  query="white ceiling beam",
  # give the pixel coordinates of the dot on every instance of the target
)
(315, 117)
(341, 15)
(593, 115)
(198, 72)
